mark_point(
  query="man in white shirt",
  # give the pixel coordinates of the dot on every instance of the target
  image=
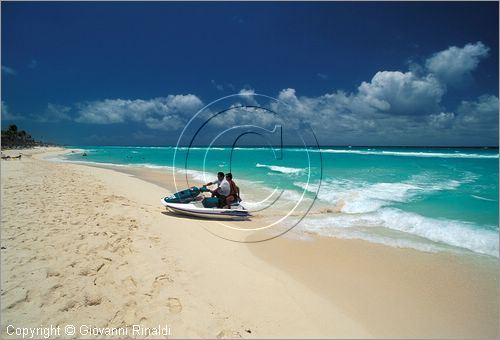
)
(218, 181)
(223, 191)
(224, 188)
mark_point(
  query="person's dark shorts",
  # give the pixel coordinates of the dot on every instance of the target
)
(222, 200)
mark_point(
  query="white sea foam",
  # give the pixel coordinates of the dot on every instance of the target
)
(184, 148)
(282, 169)
(263, 197)
(353, 199)
(483, 198)
(203, 176)
(441, 231)
(361, 197)
(360, 234)
(150, 166)
(409, 153)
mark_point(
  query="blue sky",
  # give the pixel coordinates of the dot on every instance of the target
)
(414, 73)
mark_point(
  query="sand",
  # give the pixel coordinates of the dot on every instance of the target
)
(91, 246)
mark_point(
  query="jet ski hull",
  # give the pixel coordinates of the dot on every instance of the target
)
(236, 213)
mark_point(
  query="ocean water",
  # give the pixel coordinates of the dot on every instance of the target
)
(425, 198)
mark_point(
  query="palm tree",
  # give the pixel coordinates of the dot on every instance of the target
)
(22, 135)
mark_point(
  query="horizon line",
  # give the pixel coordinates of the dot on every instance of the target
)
(297, 146)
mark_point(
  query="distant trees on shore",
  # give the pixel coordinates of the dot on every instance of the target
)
(12, 138)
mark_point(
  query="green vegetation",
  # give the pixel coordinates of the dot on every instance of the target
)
(12, 138)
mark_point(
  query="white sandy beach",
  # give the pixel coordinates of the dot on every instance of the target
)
(83, 245)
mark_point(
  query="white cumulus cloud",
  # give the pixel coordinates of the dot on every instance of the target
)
(401, 93)
(454, 63)
(158, 113)
(441, 119)
(482, 113)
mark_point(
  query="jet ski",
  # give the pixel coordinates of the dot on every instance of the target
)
(184, 202)
(185, 196)
(196, 209)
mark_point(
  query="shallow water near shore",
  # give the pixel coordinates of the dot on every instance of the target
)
(429, 199)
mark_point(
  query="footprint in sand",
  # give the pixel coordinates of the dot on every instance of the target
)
(174, 305)
(15, 297)
(92, 300)
(164, 277)
(55, 287)
(68, 306)
(131, 284)
(84, 272)
(51, 273)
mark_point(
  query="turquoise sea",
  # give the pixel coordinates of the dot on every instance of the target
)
(424, 198)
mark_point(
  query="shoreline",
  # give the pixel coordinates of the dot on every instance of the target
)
(354, 289)
(163, 178)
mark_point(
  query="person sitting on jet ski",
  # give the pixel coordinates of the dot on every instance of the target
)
(218, 181)
(234, 191)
